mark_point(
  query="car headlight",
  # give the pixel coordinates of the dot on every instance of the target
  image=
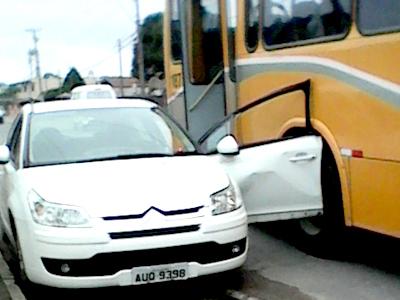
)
(225, 201)
(57, 215)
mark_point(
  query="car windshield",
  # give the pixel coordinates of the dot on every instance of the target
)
(103, 134)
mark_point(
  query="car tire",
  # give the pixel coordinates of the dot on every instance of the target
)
(324, 235)
(17, 262)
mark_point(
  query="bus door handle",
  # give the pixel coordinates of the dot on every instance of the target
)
(302, 157)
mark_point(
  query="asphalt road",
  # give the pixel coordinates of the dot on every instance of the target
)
(367, 268)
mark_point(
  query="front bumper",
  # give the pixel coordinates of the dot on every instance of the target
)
(106, 264)
(94, 259)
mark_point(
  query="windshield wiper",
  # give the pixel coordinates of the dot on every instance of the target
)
(127, 156)
(115, 157)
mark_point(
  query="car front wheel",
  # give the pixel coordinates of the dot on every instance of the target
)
(17, 263)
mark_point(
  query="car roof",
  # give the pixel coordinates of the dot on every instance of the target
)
(62, 105)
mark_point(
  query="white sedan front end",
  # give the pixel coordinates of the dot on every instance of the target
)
(123, 220)
(112, 252)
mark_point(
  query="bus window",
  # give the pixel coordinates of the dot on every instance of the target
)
(205, 49)
(286, 22)
(375, 17)
(252, 24)
(176, 32)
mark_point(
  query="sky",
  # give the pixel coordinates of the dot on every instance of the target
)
(72, 33)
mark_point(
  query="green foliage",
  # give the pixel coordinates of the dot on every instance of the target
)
(152, 32)
(9, 93)
(51, 94)
(73, 79)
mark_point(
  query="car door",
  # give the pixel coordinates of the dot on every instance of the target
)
(278, 178)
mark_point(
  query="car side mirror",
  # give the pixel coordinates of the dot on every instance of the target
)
(228, 145)
(4, 154)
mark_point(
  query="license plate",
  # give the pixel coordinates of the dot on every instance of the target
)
(151, 274)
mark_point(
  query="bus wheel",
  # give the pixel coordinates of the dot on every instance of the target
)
(323, 235)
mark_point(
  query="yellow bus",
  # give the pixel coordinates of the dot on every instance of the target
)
(270, 71)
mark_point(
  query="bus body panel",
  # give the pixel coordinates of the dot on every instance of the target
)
(358, 120)
(375, 194)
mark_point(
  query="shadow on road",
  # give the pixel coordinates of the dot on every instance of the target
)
(355, 246)
(210, 287)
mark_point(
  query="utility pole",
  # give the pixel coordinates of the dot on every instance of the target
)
(140, 56)
(120, 68)
(35, 52)
(30, 54)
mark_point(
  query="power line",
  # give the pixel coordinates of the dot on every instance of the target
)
(125, 42)
(129, 40)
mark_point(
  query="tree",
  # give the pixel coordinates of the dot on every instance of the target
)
(152, 33)
(73, 79)
(52, 94)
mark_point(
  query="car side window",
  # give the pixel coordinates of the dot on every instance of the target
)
(12, 129)
(15, 143)
(208, 143)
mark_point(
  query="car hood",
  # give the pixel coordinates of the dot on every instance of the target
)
(123, 187)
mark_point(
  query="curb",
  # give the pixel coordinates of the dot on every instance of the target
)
(7, 283)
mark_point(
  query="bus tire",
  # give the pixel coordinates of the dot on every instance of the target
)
(323, 235)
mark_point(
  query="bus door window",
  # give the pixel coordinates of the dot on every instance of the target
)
(232, 25)
(205, 49)
(176, 32)
(252, 24)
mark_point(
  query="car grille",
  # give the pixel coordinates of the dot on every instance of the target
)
(153, 232)
(165, 213)
(110, 263)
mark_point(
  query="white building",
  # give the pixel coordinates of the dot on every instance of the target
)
(31, 90)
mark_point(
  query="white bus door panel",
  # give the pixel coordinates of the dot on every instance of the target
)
(280, 180)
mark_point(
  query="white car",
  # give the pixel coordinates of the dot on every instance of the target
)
(103, 193)
(93, 91)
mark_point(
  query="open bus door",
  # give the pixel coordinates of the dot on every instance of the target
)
(203, 28)
(279, 179)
